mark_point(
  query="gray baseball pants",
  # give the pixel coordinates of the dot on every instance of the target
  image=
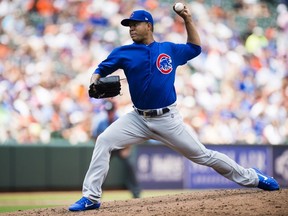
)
(168, 128)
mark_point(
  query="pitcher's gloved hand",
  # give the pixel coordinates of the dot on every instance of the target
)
(105, 87)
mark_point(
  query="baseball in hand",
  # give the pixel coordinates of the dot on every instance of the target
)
(178, 7)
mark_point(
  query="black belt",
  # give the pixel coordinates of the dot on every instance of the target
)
(152, 113)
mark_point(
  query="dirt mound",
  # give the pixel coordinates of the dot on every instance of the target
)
(215, 202)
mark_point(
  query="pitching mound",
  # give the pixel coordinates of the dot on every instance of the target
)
(216, 202)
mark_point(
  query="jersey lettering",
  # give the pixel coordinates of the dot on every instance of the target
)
(163, 63)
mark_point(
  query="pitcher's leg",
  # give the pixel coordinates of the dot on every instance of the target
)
(227, 167)
(97, 171)
(126, 130)
(220, 162)
(182, 139)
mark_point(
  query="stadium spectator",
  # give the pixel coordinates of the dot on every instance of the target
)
(228, 95)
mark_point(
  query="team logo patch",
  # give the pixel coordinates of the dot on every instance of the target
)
(164, 63)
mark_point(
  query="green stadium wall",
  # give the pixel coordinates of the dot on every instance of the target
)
(38, 167)
(63, 167)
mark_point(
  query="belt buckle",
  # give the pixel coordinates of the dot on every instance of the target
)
(146, 113)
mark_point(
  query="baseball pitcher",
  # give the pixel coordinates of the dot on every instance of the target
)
(150, 69)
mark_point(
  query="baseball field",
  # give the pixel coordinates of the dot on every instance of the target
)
(174, 203)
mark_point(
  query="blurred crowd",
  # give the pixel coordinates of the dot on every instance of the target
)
(236, 91)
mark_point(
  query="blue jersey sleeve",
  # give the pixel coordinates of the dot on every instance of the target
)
(110, 64)
(186, 52)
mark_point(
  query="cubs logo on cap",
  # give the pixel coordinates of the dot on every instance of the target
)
(139, 16)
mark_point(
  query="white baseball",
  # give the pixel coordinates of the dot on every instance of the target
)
(179, 7)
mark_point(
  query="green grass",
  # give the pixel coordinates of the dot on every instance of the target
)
(11, 202)
(21, 208)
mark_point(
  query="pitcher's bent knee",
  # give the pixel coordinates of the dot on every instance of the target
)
(101, 145)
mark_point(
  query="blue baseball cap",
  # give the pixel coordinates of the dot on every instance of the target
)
(140, 16)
